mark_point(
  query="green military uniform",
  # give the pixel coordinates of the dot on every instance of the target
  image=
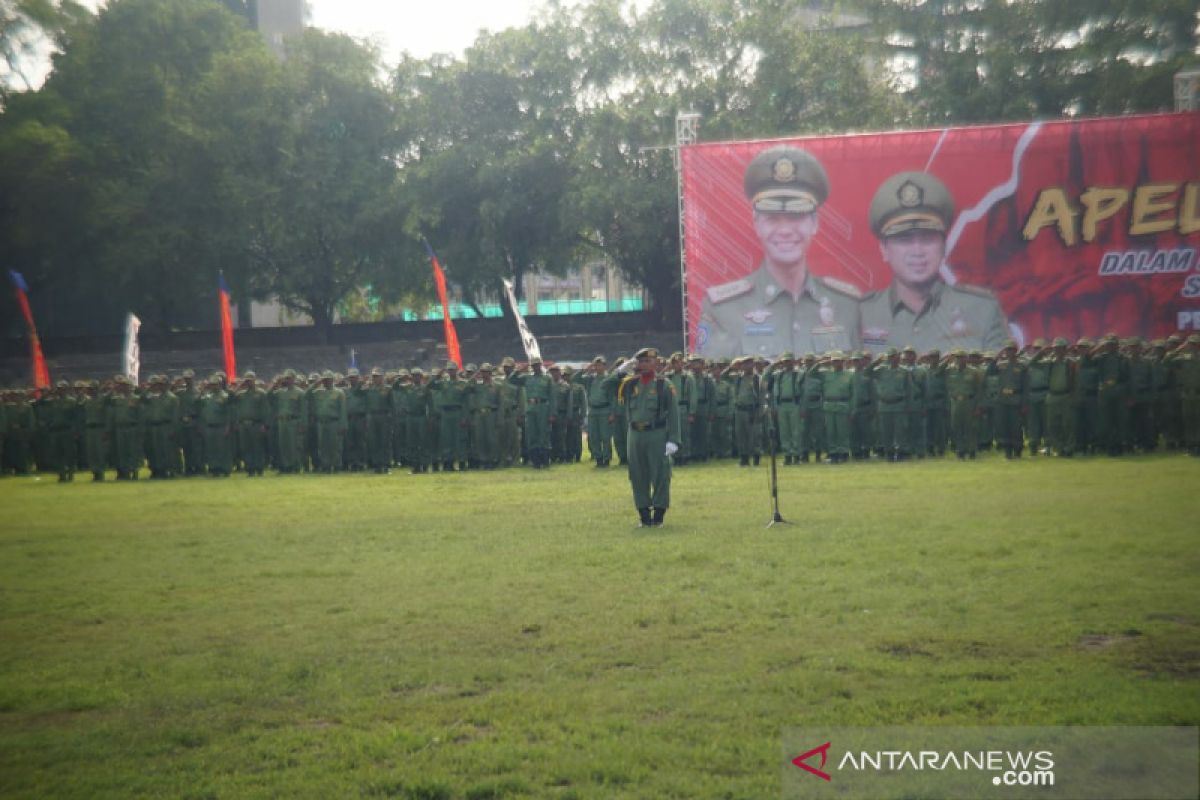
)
(814, 416)
(838, 400)
(1038, 372)
(449, 407)
(893, 388)
(127, 429)
(511, 417)
(1111, 395)
(685, 395)
(290, 417)
(863, 432)
(937, 404)
(415, 400)
(758, 315)
(97, 431)
(487, 406)
(1141, 400)
(1060, 399)
(217, 421)
(161, 418)
(1087, 398)
(964, 385)
(379, 423)
(952, 316)
(354, 453)
(721, 432)
(600, 402)
(747, 408)
(63, 423)
(332, 421)
(654, 428)
(539, 396)
(786, 390)
(1013, 383)
(22, 422)
(560, 410)
(252, 413)
(988, 402)
(1186, 364)
(191, 436)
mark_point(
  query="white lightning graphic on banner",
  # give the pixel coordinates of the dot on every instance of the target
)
(990, 199)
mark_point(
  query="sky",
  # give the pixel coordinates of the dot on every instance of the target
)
(421, 28)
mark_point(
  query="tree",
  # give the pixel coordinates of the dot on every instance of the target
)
(307, 173)
(987, 60)
(27, 28)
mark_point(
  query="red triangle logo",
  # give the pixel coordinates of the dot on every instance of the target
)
(800, 759)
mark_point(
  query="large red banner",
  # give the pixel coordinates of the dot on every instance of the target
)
(1075, 228)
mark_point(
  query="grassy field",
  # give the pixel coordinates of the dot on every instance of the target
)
(504, 635)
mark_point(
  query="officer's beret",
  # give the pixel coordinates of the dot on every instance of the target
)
(352, 372)
(786, 179)
(1084, 342)
(647, 352)
(535, 360)
(934, 354)
(508, 362)
(451, 364)
(1061, 342)
(568, 371)
(1039, 342)
(1194, 338)
(187, 373)
(676, 355)
(891, 351)
(859, 354)
(786, 355)
(959, 353)
(836, 355)
(911, 201)
(376, 371)
(694, 357)
(81, 384)
(908, 348)
(328, 375)
(598, 360)
(485, 367)
(1009, 344)
(417, 371)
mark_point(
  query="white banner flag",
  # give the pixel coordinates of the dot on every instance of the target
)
(527, 341)
(133, 353)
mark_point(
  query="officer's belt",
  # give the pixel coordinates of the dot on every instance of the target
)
(282, 417)
(96, 425)
(784, 402)
(449, 408)
(605, 405)
(751, 407)
(838, 399)
(537, 401)
(890, 400)
(1060, 394)
(160, 423)
(647, 426)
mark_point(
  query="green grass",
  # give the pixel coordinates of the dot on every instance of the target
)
(503, 635)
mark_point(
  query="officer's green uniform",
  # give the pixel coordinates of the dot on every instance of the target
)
(560, 410)
(161, 417)
(1087, 399)
(487, 405)
(1038, 372)
(1165, 405)
(721, 437)
(685, 395)
(128, 434)
(706, 397)
(217, 418)
(415, 399)
(97, 431)
(1187, 373)
(863, 431)
(747, 408)
(988, 403)
(756, 315)
(653, 413)
(512, 417)
(63, 423)
(354, 453)
(838, 400)
(290, 417)
(814, 416)
(1141, 393)
(450, 400)
(329, 409)
(252, 411)
(786, 391)
(1010, 373)
(937, 405)
(191, 436)
(964, 384)
(539, 396)
(955, 316)
(1060, 400)
(600, 402)
(1111, 396)
(892, 392)
(379, 424)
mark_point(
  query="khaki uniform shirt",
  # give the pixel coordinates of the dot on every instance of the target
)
(955, 317)
(757, 316)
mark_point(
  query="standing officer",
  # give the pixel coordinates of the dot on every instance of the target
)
(654, 432)
(252, 412)
(748, 407)
(705, 396)
(1013, 399)
(415, 399)
(1060, 397)
(191, 435)
(289, 408)
(488, 400)
(63, 420)
(786, 387)
(539, 396)
(893, 392)
(937, 405)
(1111, 394)
(910, 213)
(721, 432)
(862, 415)
(1038, 373)
(814, 418)
(450, 400)
(838, 401)
(329, 411)
(1187, 372)
(161, 418)
(97, 430)
(685, 394)
(964, 385)
(783, 305)
(379, 423)
(600, 401)
(216, 418)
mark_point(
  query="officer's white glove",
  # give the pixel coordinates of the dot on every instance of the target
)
(672, 449)
(627, 367)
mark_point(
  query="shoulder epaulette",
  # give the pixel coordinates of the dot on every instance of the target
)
(845, 287)
(975, 290)
(728, 291)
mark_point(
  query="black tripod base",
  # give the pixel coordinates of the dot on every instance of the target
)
(777, 520)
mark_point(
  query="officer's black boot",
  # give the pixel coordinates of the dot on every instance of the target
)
(657, 521)
(744, 461)
(97, 476)
(644, 514)
(757, 458)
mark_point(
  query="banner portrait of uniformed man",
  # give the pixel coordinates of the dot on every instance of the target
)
(944, 239)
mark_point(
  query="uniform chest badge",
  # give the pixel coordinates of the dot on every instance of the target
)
(826, 312)
(758, 316)
(958, 325)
